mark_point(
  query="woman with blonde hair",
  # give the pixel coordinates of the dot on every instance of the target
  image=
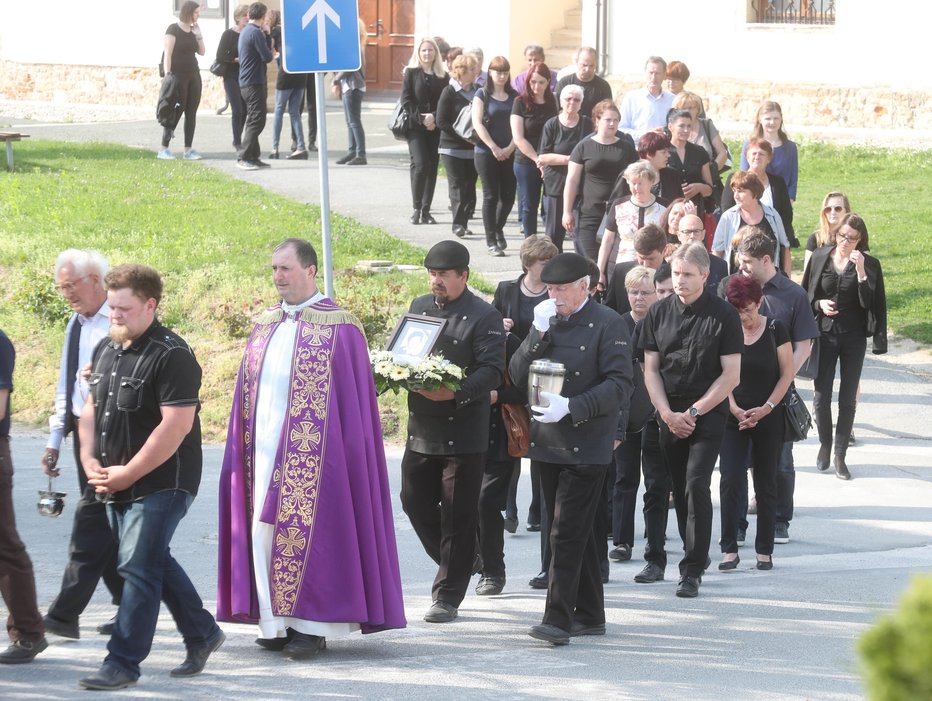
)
(423, 80)
(835, 207)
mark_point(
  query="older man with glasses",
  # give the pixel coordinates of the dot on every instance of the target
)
(691, 229)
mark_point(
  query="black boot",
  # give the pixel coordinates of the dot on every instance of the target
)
(426, 218)
(822, 459)
(416, 217)
(841, 469)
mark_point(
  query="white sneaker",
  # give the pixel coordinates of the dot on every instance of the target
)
(246, 165)
(191, 155)
(165, 154)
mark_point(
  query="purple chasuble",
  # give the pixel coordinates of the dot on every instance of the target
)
(334, 557)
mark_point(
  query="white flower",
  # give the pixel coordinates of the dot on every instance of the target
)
(399, 372)
(383, 367)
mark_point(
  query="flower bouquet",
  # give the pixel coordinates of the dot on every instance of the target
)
(394, 373)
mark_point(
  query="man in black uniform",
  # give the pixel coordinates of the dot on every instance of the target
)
(572, 438)
(692, 345)
(448, 432)
(141, 450)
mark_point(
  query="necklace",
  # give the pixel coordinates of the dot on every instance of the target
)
(531, 292)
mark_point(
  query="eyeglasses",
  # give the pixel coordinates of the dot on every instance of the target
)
(572, 99)
(641, 293)
(692, 232)
(849, 239)
(68, 287)
(838, 209)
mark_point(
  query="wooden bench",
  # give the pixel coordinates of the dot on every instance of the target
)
(8, 137)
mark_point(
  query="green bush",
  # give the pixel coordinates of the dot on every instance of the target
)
(897, 651)
(38, 295)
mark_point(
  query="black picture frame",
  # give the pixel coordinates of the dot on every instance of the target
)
(415, 337)
(210, 9)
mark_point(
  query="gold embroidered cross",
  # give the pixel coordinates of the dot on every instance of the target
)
(294, 539)
(305, 436)
(317, 333)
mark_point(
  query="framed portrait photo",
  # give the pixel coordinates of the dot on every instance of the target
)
(414, 337)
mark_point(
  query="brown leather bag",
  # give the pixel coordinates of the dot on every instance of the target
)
(517, 426)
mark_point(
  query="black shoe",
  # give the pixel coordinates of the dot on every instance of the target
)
(688, 587)
(441, 612)
(196, 658)
(496, 252)
(275, 644)
(22, 651)
(533, 527)
(426, 218)
(822, 459)
(500, 240)
(579, 629)
(361, 161)
(304, 646)
(765, 564)
(541, 581)
(727, 565)
(262, 164)
(63, 629)
(549, 633)
(490, 586)
(459, 231)
(345, 159)
(511, 525)
(298, 155)
(107, 628)
(108, 678)
(651, 573)
(841, 469)
(620, 554)
(416, 217)
(274, 155)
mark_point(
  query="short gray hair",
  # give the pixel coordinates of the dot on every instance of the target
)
(84, 263)
(641, 169)
(693, 252)
(572, 89)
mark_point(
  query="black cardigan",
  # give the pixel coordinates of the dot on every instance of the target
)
(781, 203)
(451, 103)
(876, 313)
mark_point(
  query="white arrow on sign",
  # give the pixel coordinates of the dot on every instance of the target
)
(322, 12)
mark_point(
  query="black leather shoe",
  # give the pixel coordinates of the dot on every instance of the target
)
(197, 657)
(107, 628)
(841, 469)
(303, 646)
(727, 565)
(533, 527)
(441, 612)
(541, 581)
(620, 554)
(22, 651)
(108, 678)
(587, 629)
(63, 629)
(274, 156)
(765, 564)
(821, 461)
(275, 644)
(688, 587)
(500, 240)
(490, 586)
(416, 217)
(426, 218)
(510, 525)
(343, 160)
(459, 231)
(549, 633)
(651, 573)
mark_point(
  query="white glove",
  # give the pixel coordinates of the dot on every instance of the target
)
(542, 314)
(559, 407)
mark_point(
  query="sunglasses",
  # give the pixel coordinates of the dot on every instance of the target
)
(838, 209)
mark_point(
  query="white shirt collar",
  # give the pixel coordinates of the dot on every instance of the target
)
(292, 308)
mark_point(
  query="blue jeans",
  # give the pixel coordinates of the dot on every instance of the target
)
(529, 185)
(352, 110)
(150, 573)
(291, 99)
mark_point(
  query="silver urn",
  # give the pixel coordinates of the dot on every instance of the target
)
(544, 376)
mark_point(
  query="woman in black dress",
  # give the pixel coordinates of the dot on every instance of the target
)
(423, 80)
(846, 290)
(690, 161)
(756, 422)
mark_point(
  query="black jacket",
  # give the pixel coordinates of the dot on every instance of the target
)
(876, 310)
(168, 110)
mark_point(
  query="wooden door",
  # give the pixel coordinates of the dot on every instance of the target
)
(390, 41)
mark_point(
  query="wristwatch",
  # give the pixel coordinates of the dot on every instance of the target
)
(770, 404)
(693, 412)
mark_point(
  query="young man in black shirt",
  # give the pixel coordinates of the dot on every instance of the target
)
(141, 449)
(692, 345)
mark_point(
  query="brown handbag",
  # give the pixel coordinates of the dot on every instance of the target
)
(517, 426)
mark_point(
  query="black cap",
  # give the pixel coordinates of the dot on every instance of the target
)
(447, 255)
(564, 268)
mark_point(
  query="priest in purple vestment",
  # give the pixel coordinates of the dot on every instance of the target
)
(307, 543)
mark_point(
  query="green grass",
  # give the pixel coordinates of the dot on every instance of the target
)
(889, 188)
(208, 234)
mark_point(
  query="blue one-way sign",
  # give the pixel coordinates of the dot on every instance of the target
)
(320, 35)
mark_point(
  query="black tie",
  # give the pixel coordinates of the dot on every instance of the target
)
(71, 370)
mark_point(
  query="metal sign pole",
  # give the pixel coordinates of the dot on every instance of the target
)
(324, 183)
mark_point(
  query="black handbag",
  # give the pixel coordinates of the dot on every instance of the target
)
(218, 68)
(810, 369)
(400, 122)
(796, 417)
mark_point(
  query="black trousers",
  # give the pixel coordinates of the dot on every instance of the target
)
(625, 488)
(571, 496)
(691, 462)
(92, 553)
(657, 487)
(422, 148)
(846, 350)
(584, 235)
(189, 92)
(461, 183)
(499, 186)
(311, 100)
(765, 441)
(493, 497)
(440, 495)
(553, 220)
(254, 96)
